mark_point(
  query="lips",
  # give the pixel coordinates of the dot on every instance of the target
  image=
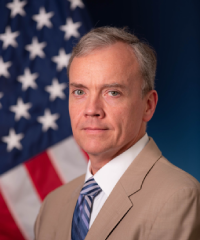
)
(95, 130)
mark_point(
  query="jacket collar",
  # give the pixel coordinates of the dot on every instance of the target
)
(135, 175)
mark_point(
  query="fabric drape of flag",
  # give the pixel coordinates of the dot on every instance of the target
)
(36, 39)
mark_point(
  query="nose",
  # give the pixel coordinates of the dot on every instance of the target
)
(94, 107)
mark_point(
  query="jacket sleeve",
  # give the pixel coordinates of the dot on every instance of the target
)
(179, 218)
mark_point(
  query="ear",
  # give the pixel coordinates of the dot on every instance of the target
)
(151, 99)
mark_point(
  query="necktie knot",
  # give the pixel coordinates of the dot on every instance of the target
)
(90, 188)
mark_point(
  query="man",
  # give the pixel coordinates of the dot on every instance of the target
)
(131, 191)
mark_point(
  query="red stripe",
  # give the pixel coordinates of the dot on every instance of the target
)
(8, 227)
(43, 174)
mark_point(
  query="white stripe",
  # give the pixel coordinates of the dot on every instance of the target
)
(21, 198)
(68, 159)
(88, 183)
(87, 211)
(89, 189)
(88, 201)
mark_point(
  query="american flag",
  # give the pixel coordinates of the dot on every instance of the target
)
(37, 150)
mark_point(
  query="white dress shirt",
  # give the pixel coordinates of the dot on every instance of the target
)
(108, 176)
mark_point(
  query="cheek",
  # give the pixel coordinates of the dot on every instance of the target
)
(119, 117)
(75, 113)
(130, 117)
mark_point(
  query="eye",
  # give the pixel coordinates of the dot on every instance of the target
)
(113, 93)
(78, 92)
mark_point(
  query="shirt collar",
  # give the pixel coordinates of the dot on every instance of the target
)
(110, 173)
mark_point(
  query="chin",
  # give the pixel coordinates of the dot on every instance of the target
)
(94, 148)
(93, 151)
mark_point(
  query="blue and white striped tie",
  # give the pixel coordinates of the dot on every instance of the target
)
(82, 212)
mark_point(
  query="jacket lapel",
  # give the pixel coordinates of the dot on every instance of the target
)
(119, 203)
(115, 207)
(134, 177)
(65, 222)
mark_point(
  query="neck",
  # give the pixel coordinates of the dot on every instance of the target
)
(98, 161)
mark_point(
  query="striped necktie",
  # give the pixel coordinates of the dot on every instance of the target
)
(82, 212)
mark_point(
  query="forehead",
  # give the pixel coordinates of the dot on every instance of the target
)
(114, 61)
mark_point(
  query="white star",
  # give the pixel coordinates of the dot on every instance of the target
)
(43, 18)
(62, 59)
(1, 95)
(12, 140)
(21, 109)
(56, 89)
(71, 29)
(8, 38)
(28, 79)
(16, 7)
(48, 120)
(4, 68)
(35, 48)
(76, 3)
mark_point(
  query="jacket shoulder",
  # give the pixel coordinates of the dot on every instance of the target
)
(57, 205)
(173, 177)
(66, 191)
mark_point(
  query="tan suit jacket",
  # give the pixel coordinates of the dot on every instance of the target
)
(153, 200)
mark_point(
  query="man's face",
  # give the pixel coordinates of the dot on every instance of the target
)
(106, 106)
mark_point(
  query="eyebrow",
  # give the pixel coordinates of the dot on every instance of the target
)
(78, 85)
(103, 86)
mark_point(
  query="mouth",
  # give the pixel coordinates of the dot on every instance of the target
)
(95, 130)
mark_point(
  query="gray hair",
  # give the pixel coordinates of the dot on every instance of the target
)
(105, 36)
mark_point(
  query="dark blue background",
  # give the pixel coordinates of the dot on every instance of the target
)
(173, 29)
